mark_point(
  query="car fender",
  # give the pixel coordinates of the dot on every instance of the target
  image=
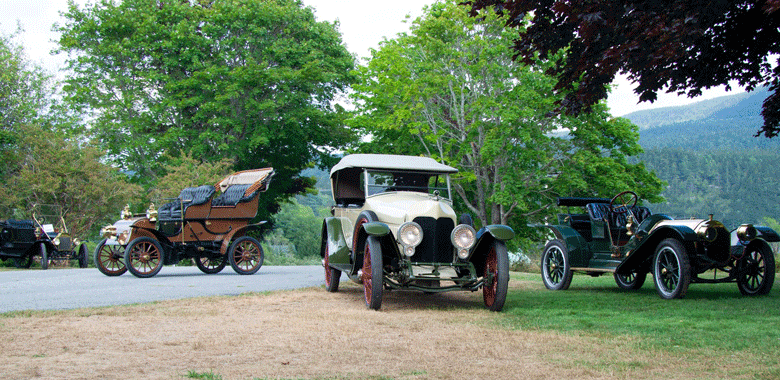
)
(485, 237)
(237, 233)
(645, 247)
(767, 234)
(576, 245)
(333, 236)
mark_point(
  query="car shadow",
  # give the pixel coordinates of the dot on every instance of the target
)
(417, 300)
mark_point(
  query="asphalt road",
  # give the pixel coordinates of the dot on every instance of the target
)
(56, 289)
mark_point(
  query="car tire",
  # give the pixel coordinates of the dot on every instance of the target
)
(44, 256)
(756, 271)
(109, 259)
(372, 276)
(23, 262)
(631, 281)
(556, 267)
(83, 256)
(211, 266)
(671, 269)
(144, 257)
(246, 255)
(332, 275)
(496, 264)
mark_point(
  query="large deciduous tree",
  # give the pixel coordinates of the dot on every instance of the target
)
(678, 46)
(449, 89)
(254, 81)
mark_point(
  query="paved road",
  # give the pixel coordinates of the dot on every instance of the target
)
(76, 288)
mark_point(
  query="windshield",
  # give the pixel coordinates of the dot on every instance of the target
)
(429, 183)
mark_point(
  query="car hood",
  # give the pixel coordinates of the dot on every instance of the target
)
(397, 208)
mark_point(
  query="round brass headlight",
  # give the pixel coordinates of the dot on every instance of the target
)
(707, 233)
(747, 232)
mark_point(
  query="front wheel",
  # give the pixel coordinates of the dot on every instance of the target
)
(631, 281)
(144, 257)
(556, 269)
(83, 256)
(209, 265)
(246, 255)
(109, 259)
(671, 269)
(756, 271)
(496, 276)
(44, 256)
(372, 275)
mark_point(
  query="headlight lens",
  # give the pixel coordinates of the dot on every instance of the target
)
(463, 237)
(747, 232)
(707, 233)
(410, 234)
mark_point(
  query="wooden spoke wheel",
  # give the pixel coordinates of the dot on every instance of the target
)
(211, 265)
(372, 275)
(144, 257)
(496, 276)
(109, 259)
(246, 255)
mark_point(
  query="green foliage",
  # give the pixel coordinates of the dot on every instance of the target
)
(186, 171)
(450, 90)
(52, 170)
(301, 225)
(246, 80)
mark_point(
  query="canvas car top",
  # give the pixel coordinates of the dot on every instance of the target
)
(391, 161)
(246, 177)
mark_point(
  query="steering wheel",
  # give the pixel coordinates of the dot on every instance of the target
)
(621, 203)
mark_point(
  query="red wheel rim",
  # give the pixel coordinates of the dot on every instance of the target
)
(326, 264)
(145, 257)
(247, 255)
(491, 270)
(109, 258)
(367, 274)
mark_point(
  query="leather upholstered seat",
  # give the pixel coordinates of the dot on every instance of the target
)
(191, 196)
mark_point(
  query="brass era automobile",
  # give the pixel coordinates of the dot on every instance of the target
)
(393, 227)
(22, 240)
(616, 236)
(199, 225)
(110, 252)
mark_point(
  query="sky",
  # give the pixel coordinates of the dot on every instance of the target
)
(363, 24)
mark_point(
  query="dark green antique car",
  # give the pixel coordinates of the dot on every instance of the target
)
(617, 236)
(393, 227)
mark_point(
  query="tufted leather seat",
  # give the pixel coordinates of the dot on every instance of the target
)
(233, 195)
(190, 196)
(616, 222)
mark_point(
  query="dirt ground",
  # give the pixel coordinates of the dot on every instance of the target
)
(307, 333)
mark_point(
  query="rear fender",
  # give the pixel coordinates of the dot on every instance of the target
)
(237, 233)
(576, 245)
(641, 254)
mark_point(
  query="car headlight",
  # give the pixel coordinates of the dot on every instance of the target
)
(707, 233)
(56, 241)
(463, 238)
(410, 234)
(747, 232)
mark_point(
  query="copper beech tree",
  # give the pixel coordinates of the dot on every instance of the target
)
(678, 46)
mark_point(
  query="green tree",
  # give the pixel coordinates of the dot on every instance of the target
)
(54, 171)
(678, 45)
(450, 90)
(302, 227)
(253, 81)
(186, 171)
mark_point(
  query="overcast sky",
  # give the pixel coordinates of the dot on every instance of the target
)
(363, 24)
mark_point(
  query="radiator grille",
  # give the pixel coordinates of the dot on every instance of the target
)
(436, 246)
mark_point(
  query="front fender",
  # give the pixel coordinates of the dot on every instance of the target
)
(767, 234)
(485, 238)
(333, 239)
(641, 248)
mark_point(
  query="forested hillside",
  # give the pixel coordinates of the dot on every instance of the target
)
(708, 155)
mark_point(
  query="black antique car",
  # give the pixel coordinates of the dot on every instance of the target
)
(199, 224)
(618, 237)
(26, 239)
(393, 227)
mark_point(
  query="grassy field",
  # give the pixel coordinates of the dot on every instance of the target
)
(714, 325)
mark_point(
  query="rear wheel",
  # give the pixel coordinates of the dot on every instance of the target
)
(332, 275)
(671, 269)
(23, 262)
(109, 259)
(83, 256)
(372, 275)
(756, 271)
(144, 257)
(246, 255)
(631, 281)
(209, 265)
(556, 269)
(497, 276)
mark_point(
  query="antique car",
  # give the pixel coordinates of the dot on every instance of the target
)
(616, 236)
(24, 240)
(209, 228)
(110, 252)
(393, 227)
